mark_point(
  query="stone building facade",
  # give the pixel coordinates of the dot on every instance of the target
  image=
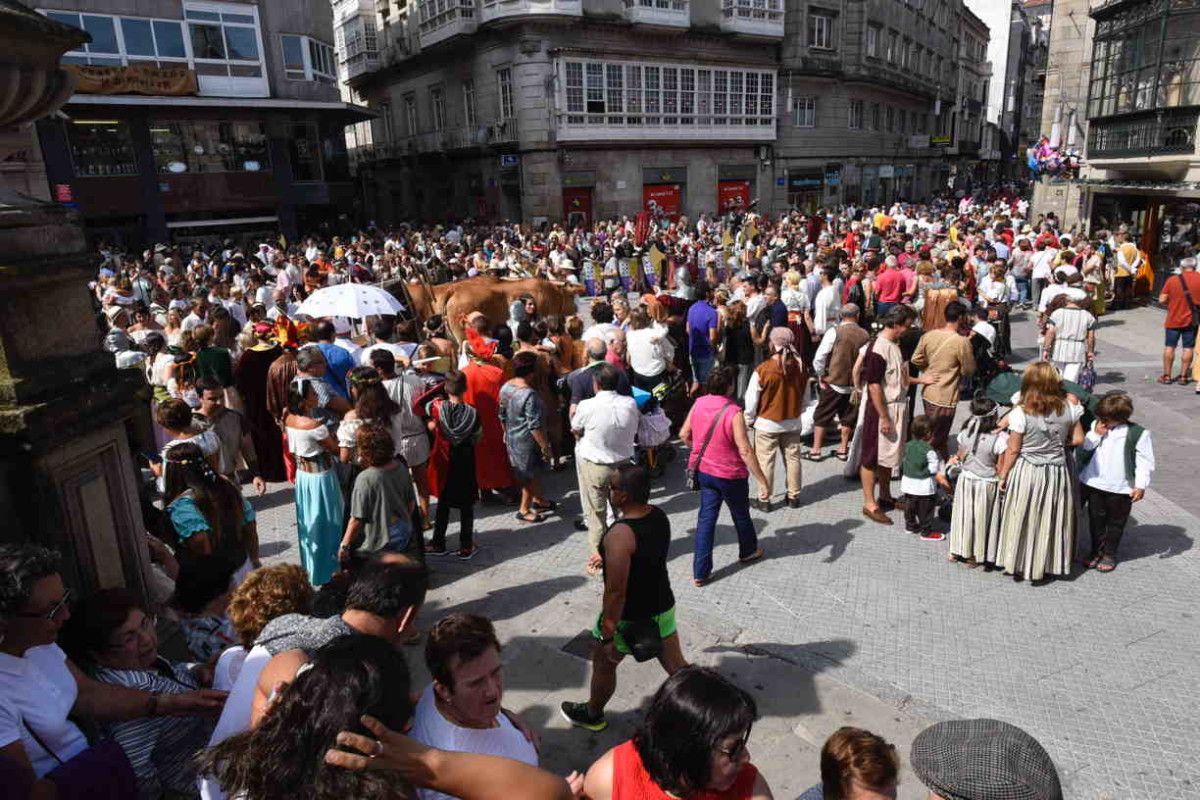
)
(544, 109)
(195, 119)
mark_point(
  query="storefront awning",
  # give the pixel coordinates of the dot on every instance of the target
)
(352, 113)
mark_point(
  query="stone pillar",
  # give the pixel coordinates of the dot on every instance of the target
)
(66, 472)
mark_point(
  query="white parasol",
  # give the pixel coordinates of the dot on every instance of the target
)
(354, 300)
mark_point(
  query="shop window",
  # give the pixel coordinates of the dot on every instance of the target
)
(209, 146)
(305, 149)
(101, 148)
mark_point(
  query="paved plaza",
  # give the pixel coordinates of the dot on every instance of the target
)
(850, 622)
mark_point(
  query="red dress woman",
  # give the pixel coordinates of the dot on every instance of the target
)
(484, 380)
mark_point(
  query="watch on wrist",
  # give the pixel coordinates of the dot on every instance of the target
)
(154, 696)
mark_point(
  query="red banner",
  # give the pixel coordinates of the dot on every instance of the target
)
(662, 200)
(733, 196)
(641, 228)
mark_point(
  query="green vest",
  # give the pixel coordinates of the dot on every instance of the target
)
(916, 460)
(1083, 456)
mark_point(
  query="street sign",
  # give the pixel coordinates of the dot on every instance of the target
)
(781, 181)
(509, 161)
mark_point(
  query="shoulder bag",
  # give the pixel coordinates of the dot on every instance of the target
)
(1187, 295)
(101, 772)
(693, 479)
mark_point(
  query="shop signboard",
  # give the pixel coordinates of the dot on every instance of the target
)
(940, 141)
(732, 195)
(887, 171)
(918, 141)
(510, 161)
(662, 200)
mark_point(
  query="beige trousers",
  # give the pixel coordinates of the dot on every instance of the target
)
(593, 497)
(767, 445)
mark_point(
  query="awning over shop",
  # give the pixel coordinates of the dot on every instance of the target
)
(350, 112)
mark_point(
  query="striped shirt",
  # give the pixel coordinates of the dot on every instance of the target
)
(160, 748)
(1071, 326)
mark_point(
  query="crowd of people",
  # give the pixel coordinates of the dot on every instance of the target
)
(885, 331)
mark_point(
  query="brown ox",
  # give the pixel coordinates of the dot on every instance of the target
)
(490, 296)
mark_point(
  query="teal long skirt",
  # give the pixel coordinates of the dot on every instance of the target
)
(319, 513)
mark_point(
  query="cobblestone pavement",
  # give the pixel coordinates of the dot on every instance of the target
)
(849, 622)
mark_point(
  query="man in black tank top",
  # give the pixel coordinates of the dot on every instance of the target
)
(639, 606)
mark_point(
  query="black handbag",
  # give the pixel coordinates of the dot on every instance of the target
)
(693, 478)
(642, 638)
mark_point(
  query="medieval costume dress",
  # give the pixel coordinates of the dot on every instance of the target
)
(250, 379)
(484, 380)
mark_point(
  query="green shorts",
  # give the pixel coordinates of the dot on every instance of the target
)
(665, 622)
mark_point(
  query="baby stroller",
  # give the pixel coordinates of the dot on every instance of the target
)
(654, 434)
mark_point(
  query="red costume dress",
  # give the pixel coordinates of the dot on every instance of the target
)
(491, 456)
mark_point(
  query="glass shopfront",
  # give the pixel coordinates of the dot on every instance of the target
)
(101, 148)
(196, 146)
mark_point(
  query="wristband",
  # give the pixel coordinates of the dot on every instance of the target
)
(153, 704)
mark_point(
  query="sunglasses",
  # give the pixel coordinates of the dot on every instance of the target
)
(54, 610)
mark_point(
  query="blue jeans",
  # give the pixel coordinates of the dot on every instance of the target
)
(701, 366)
(1023, 289)
(734, 492)
(882, 308)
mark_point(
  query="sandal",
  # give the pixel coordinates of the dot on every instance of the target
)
(840, 456)
(701, 582)
(813, 455)
(536, 518)
(750, 559)
(1165, 379)
(548, 505)
(594, 567)
(1184, 380)
(1106, 565)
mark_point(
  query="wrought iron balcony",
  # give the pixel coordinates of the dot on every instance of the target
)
(1162, 133)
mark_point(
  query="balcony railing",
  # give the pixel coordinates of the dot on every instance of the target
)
(360, 64)
(666, 13)
(753, 17)
(443, 19)
(496, 134)
(491, 10)
(1159, 134)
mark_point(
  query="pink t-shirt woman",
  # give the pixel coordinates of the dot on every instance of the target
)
(721, 459)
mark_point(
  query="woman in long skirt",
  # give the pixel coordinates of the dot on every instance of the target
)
(250, 380)
(319, 503)
(975, 516)
(1038, 517)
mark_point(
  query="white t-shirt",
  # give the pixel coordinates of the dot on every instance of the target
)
(431, 728)
(235, 716)
(398, 351)
(38, 691)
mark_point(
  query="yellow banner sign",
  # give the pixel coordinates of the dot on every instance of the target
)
(133, 79)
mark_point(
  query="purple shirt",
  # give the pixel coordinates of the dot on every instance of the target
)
(701, 319)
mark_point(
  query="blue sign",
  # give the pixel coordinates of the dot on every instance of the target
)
(781, 181)
(509, 160)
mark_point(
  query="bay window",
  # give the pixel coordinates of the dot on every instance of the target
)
(638, 97)
(307, 59)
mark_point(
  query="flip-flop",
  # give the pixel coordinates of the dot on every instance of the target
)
(526, 520)
(1165, 380)
(841, 456)
(1106, 566)
(812, 455)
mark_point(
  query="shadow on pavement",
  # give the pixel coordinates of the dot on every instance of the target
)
(780, 676)
(513, 601)
(813, 538)
(272, 549)
(1144, 541)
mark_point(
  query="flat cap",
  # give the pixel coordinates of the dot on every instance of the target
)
(984, 759)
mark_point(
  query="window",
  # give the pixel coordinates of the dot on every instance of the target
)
(144, 39)
(893, 44)
(820, 31)
(804, 112)
(437, 102)
(305, 148)
(504, 85)
(101, 148)
(873, 41)
(389, 125)
(469, 104)
(435, 14)
(202, 146)
(670, 96)
(856, 114)
(306, 59)
(903, 121)
(906, 54)
(224, 39)
(410, 115)
(889, 119)
(875, 120)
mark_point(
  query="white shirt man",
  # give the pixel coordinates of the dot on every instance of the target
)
(460, 711)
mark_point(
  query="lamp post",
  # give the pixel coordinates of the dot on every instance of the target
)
(66, 471)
